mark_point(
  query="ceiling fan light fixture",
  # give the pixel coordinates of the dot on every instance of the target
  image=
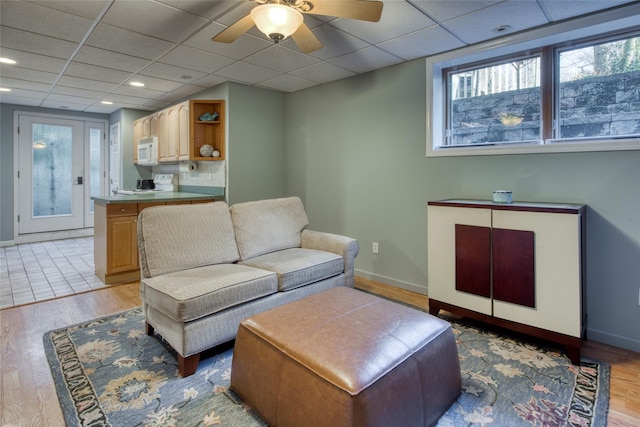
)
(276, 21)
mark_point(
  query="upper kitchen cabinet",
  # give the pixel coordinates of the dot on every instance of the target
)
(207, 120)
(183, 129)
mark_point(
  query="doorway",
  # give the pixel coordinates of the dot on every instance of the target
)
(61, 164)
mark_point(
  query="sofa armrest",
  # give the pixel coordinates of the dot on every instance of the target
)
(344, 246)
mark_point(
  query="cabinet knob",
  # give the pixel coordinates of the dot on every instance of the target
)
(122, 209)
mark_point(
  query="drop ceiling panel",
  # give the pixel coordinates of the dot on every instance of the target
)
(35, 43)
(124, 41)
(280, 58)
(86, 49)
(518, 14)
(92, 72)
(398, 18)
(247, 73)
(285, 83)
(195, 59)
(26, 74)
(428, 41)
(41, 20)
(370, 58)
(86, 9)
(153, 19)
(323, 72)
(109, 59)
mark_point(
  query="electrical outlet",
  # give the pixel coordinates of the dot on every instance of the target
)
(375, 247)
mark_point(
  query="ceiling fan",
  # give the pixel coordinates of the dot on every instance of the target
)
(279, 19)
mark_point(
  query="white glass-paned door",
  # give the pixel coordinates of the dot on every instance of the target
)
(61, 165)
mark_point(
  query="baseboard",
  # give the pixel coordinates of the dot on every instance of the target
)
(391, 281)
(51, 235)
(613, 339)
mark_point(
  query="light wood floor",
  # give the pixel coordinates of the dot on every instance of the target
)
(28, 396)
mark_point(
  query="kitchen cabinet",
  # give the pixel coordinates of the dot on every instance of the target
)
(116, 241)
(518, 266)
(180, 131)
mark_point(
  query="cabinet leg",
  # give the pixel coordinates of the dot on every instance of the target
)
(149, 329)
(434, 311)
(574, 353)
(188, 365)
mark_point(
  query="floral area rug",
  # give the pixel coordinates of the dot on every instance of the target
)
(109, 372)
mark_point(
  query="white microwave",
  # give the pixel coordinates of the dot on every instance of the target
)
(148, 151)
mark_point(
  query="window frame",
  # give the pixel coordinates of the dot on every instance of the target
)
(592, 28)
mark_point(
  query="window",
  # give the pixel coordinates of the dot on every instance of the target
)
(566, 88)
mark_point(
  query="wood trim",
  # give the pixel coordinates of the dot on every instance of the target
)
(516, 206)
(571, 344)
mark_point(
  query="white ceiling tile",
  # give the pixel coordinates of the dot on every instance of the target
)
(92, 72)
(206, 8)
(559, 10)
(74, 91)
(108, 59)
(26, 74)
(34, 61)
(323, 72)
(153, 84)
(33, 94)
(86, 9)
(425, 42)
(153, 19)
(196, 59)
(246, 73)
(83, 83)
(172, 73)
(477, 27)
(35, 43)
(445, 10)
(99, 109)
(125, 98)
(209, 81)
(244, 46)
(367, 59)
(398, 18)
(336, 42)
(41, 20)
(20, 99)
(280, 58)
(287, 83)
(65, 105)
(23, 84)
(119, 40)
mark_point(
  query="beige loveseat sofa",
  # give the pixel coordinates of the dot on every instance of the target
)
(206, 267)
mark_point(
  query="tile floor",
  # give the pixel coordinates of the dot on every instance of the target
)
(34, 272)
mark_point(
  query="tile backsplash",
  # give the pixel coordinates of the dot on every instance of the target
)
(208, 174)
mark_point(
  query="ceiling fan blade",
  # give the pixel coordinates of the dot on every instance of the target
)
(305, 39)
(353, 9)
(235, 30)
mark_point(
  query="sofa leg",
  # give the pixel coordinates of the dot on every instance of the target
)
(149, 329)
(187, 365)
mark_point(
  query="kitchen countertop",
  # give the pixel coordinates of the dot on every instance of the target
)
(154, 196)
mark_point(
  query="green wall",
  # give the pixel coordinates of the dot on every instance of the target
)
(355, 154)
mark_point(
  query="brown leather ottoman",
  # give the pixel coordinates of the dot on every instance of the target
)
(346, 358)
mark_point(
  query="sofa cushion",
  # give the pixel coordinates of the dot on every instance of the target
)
(179, 237)
(268, 225)
(298, 267)
(191, 294)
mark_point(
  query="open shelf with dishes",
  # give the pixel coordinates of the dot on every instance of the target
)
(207, 119)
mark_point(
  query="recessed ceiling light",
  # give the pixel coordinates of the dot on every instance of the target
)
(5, 89)
(501, 28)
(107, 102)
(7, 61)
(137, 84)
